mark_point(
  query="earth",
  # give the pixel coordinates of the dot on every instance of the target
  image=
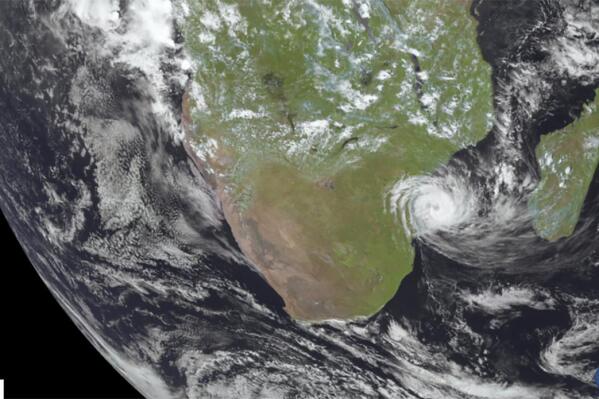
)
(313, 199)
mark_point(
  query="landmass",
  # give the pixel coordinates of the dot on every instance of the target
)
(305, 114)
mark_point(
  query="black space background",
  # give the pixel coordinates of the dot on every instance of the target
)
(42, 353)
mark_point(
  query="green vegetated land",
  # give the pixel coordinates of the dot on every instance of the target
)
(568, 160)
(307, 112)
